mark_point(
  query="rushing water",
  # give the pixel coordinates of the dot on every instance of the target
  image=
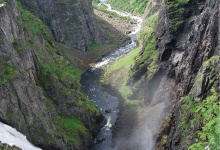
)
(105, 102)
(11, 136)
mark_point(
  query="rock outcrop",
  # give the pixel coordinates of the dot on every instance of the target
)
(187, 41)
(40, 93)
(8, 147)
(71, 21)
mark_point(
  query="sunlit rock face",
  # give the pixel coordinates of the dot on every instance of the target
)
(71, 21)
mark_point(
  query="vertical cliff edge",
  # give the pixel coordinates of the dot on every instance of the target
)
(71, 21)
(40, 91)
(183, 71)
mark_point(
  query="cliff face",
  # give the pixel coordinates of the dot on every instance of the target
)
(71, 21)
(185, 73)
(40, 93)
(189, 54)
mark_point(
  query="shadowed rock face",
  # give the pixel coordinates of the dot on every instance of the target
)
(183, 49)
(187, 36)
(71, 21)
(23, 101)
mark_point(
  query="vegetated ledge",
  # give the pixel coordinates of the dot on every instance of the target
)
(40, 88)
(8, 147)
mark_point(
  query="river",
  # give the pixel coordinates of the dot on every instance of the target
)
(104, 101)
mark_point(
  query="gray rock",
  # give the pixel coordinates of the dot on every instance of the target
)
(108, 110)
(71, 22)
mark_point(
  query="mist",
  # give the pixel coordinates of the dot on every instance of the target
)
(149, 120)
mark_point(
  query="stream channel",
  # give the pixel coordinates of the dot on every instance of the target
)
(104, 101)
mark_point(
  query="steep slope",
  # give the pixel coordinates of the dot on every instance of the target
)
(71, 21)
(178, 66)
(187, 41)
(40, 93)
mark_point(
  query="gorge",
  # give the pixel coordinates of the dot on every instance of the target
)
(71, 79)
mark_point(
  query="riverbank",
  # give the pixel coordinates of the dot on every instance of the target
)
(117, 31)
(105, 101)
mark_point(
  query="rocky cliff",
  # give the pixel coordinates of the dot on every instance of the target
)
(40, 93)
(182, 69)
(71, 21)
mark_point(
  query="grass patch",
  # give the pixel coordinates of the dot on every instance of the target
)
(18, 45)
(72, 128)
(97, 47)
(7, 72)
(119, 72)
(134, 6)
(127, 60)
(33, 24)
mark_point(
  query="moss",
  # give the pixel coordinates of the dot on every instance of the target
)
(18, 45)
(176, 10)
(148, 57)
(7, 72)
(71, 127)
(9, 113)
(211, 61)
(32, 23)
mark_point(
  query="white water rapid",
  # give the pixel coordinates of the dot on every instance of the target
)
(122, 50)
(104, 101)
(12, 137)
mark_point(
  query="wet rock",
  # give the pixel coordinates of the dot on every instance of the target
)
(108, 110)
(100, 139)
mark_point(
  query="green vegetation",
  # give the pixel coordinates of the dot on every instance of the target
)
(205, 114)
(55, 72)
(18, 45)
(149, 55)
(33, 24)
(7, 72)
(95, 47)
(133, 6)
(200, 117)
(111, 14)
(9, 113)
(115, 72)
(176, 12)
(95, 2)
(57, 67)
(125, 61)
(72, 128)
(2, 1)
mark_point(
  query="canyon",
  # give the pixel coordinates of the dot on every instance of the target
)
(75, 74)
